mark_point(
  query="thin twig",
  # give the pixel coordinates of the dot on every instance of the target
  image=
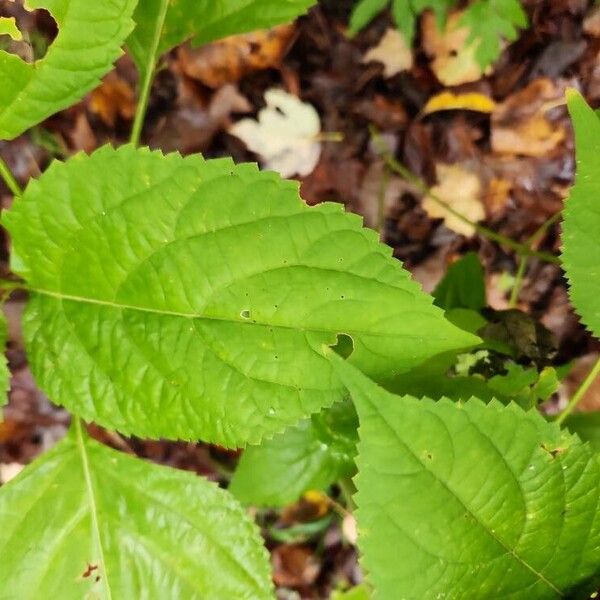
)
(580, 393)
(538, 234)
(409, 176)
(385, 180)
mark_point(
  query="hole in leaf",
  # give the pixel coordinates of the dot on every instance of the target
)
(26, 34)
(245, 314)
(344, 345)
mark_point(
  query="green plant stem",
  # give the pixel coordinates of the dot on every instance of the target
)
(148, 78)
(385, 180)
(524, 260)
(142, 106)
(418, 183)
(519, 277)
(580, 393)
(10, 284)
(9, 179)
(348, 490)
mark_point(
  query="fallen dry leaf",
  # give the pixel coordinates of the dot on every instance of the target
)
(191, 127)
(294, 565)
(591, 23)
(285, 134)
(450, 101)
(521, 125)
(82, 135)
(9, 471)
(350, 529)
(461, 189)
(311, 506)
(114, 98)
(497, 196)
(392, 52)
(230, 59)
(454, 60)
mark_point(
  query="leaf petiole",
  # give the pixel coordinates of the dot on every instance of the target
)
(9, 179)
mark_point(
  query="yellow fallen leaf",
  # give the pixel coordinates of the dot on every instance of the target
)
(461, 189)
(392, 52)
(449, 101)
(319, 500)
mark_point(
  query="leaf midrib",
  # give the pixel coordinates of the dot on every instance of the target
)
(203, 316)
(89, 486)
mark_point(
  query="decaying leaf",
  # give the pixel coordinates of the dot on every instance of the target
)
(9, 471)
(521, 124)
(285, 134)
(393, 52)
(591, 23)
(461, 189)
(114, 98)
(454, 59)
(378, 193)
(294, 565)
(449, 101)
(230, 59)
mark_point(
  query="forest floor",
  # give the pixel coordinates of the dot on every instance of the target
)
(507, 164)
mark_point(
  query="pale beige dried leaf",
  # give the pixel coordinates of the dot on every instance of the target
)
(591, 23)
(453, 60)
(392, 52)
(285, 134)
(521, 124)
(461, 189)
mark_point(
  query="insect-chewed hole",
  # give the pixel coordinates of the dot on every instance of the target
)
(245, 314)
(344, 345)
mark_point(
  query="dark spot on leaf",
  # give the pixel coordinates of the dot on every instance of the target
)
(554, 452)
(89, 570)
(245, 314)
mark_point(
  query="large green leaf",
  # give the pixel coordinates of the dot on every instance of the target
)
(310, 456)
(164, 24)
(581, 226)
(470, 500)
(179, 297)
(90, 36)
(85, 521)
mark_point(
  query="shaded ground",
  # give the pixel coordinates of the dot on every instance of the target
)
(521, 155)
